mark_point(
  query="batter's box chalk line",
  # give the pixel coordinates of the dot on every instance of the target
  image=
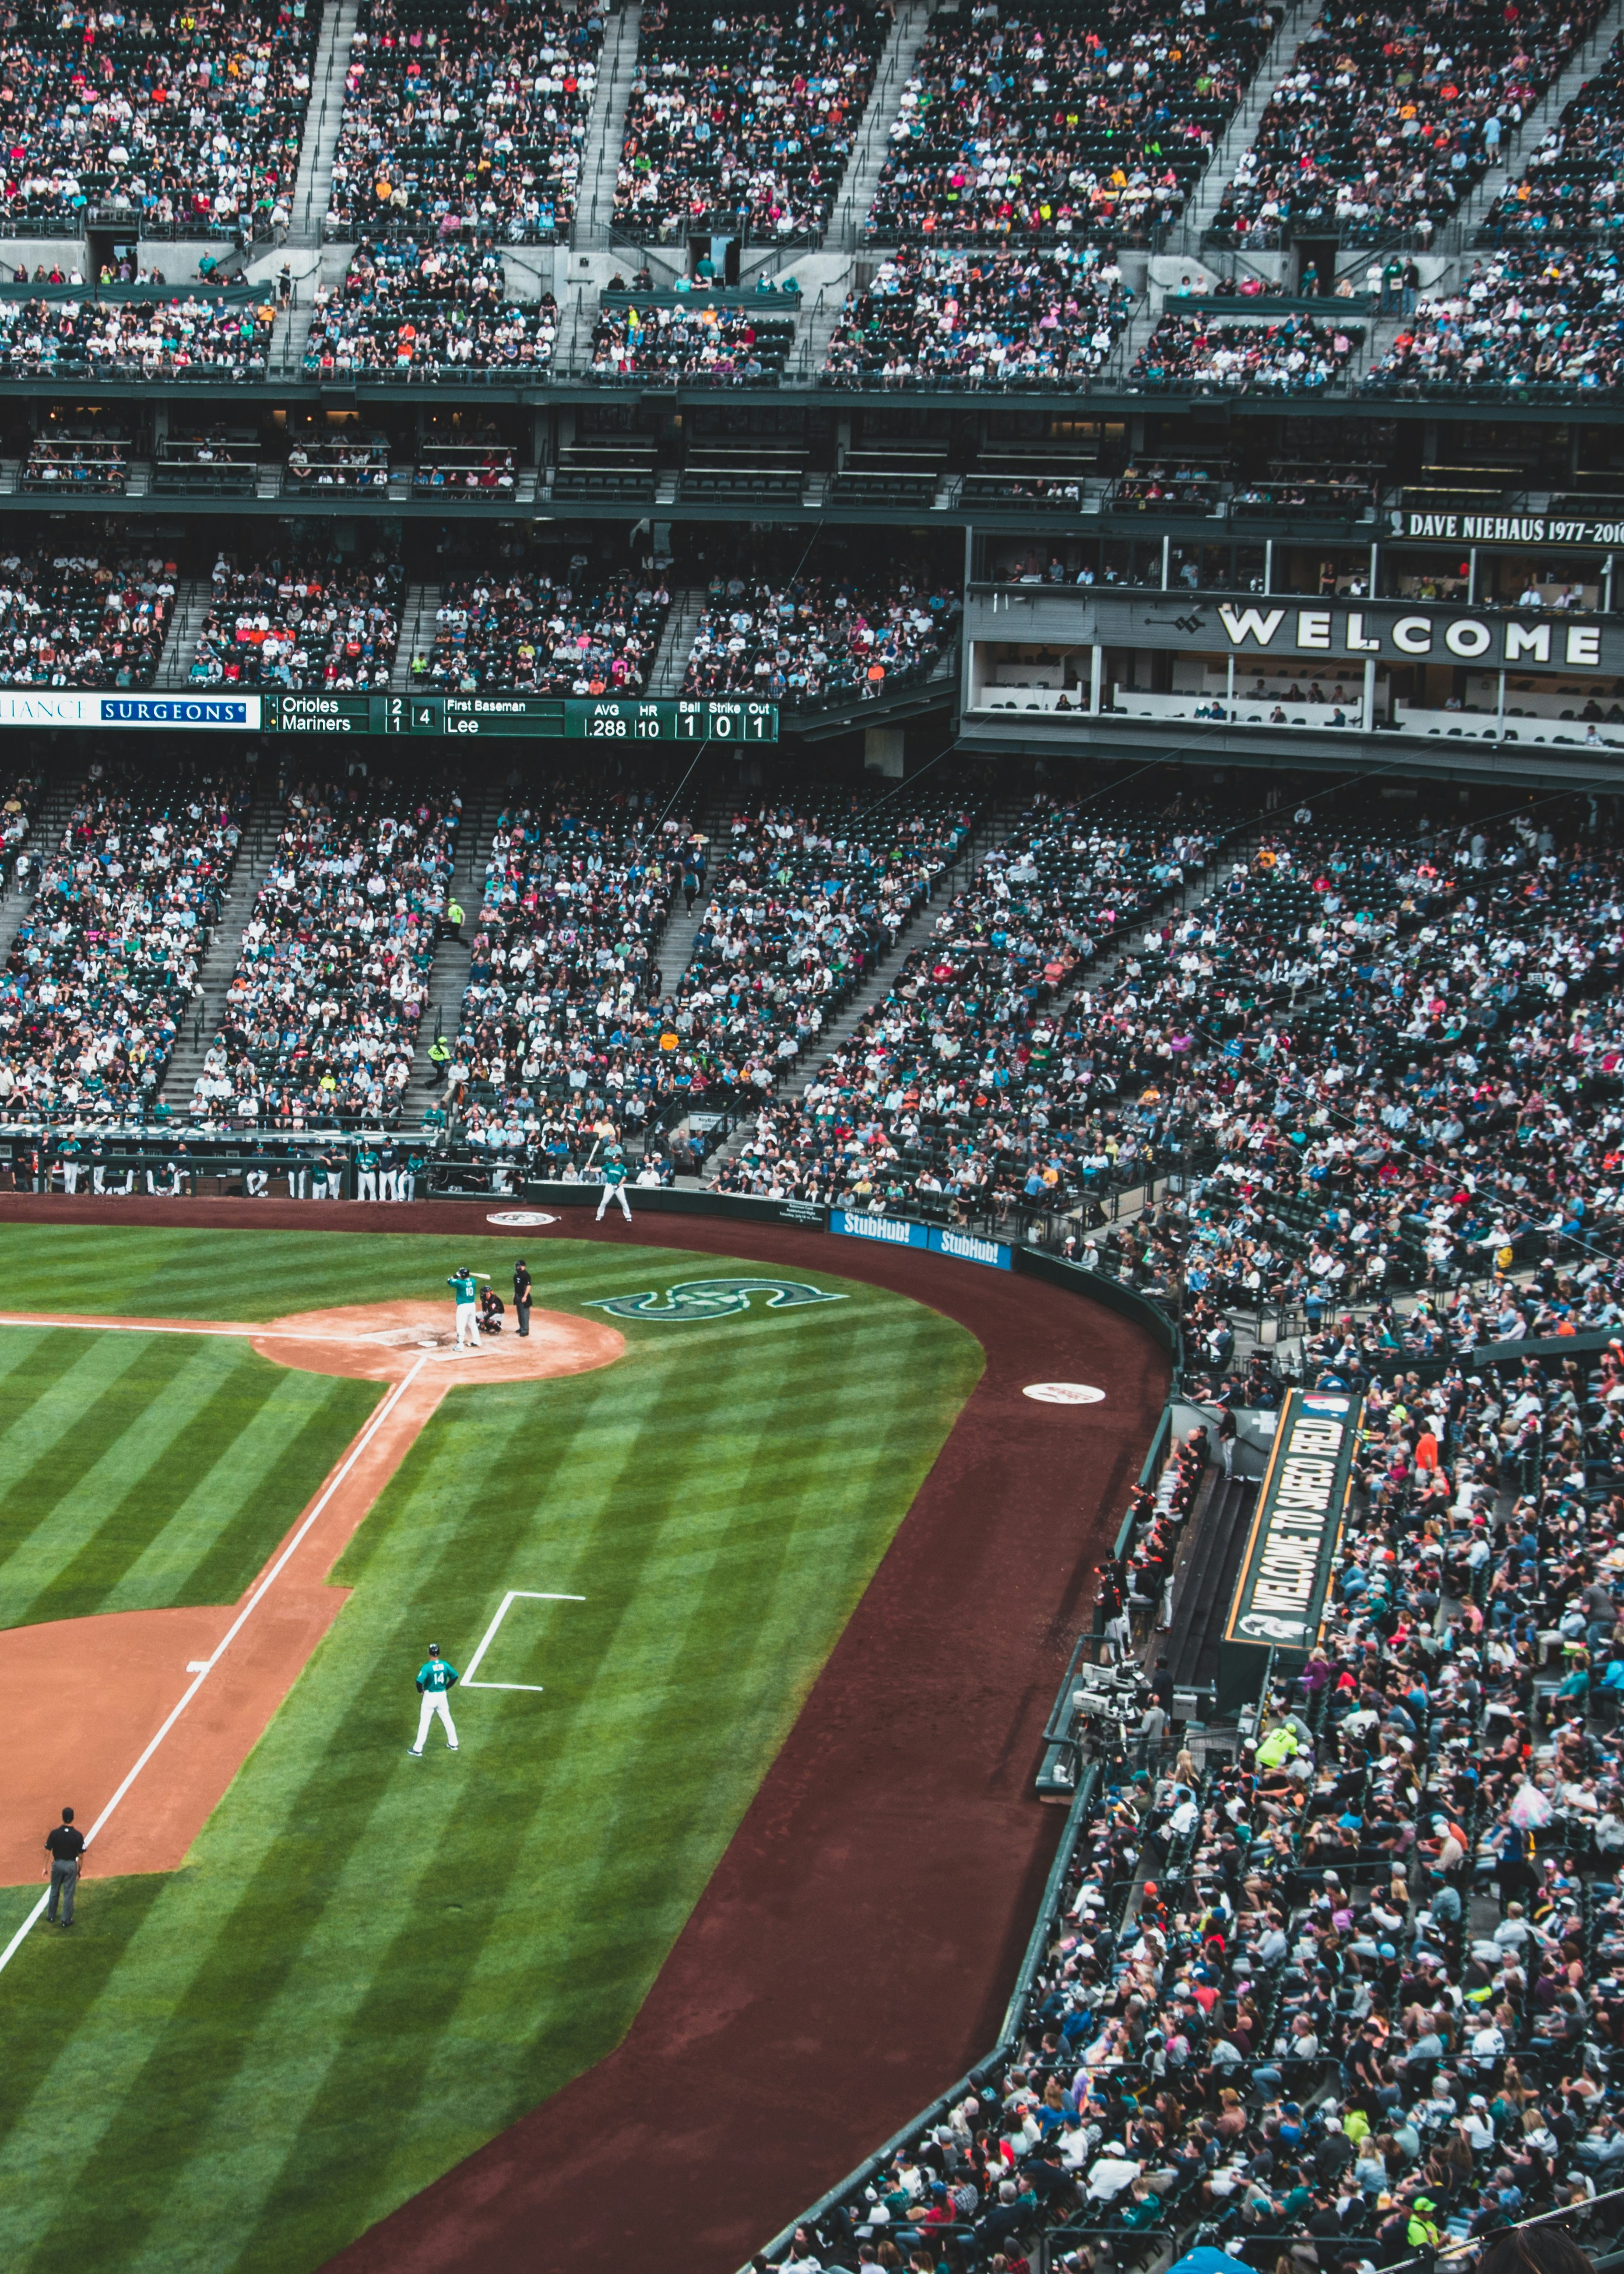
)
(514, 1595)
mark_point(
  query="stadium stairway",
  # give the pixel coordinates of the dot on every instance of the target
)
(1243, 128)
(600, 156)
(1526, 139)
(261, 830)
(442, 1008)
(867, 160)
(416, 634)
(323, 120)
(180, 643)
(669, 668)
(44, 836)
(1204, 1579)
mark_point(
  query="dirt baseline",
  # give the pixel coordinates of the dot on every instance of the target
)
(87, 1696)
(853, 1950)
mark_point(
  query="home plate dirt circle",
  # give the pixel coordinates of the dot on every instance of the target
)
(382, 1341)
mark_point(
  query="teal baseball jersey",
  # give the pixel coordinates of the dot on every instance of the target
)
(462, 1286)
(615, 1172)
(437, 1675)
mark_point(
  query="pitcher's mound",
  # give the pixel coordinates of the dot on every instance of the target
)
(382, 1341)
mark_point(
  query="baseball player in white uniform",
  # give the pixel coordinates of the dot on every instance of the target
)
(464, 1285)
(434, 1679)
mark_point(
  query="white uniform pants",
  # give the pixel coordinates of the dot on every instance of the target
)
(407, 1185)
(70, 1176)
(468, 1323)
(387, 1186)
(435, 1701)
(367, 1185)
(335, 1184)
(618, 1192)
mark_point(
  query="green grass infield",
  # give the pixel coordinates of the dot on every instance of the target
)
(369, 1965)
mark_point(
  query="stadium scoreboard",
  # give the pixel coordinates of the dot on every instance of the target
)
(609, 718)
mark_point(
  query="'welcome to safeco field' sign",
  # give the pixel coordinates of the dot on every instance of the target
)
(1286, 1571)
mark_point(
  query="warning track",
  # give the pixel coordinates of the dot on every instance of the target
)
(853, 1952)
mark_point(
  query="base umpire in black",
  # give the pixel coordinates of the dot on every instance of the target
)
(66, 1844)
(522, 1296)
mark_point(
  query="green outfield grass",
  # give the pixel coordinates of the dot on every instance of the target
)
(370, 1964)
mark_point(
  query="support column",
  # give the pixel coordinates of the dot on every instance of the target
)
(1096, 667)
(1368, 716)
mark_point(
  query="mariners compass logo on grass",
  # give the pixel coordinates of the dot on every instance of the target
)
(713, 1299)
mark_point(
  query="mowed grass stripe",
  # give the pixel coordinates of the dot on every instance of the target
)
(169, 1484)
(284, 1430)
(71, 1431)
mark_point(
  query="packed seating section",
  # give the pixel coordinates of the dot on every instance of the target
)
(191, 119)
(1567, 187)
(1295, 355)
(313, 620)
(106, 957)
(695, 342)
(409, 309)
(742, 121)
(322, 1015)
(971, 1082)
(1063, 123)
(572, 1039)
(134, 339)
(996, 320)
(1380, 126)
(461, 125)
(803, 639)
(1524, 318)
(528, 632)
(83, 618)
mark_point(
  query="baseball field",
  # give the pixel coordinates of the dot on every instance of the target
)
(310, 1973)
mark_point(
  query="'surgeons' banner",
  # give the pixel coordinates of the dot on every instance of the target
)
(45, 706)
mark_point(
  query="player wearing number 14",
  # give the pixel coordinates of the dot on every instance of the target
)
(434, 1679)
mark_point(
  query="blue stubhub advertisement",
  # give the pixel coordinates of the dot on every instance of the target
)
(942, 1240)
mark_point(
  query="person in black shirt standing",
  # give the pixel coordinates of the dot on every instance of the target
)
(66, 1845)
(522, 1296)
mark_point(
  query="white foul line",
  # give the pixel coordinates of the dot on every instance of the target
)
(207, 1665)
(514, 1595)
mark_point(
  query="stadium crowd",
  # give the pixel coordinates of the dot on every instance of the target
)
(532, 632)
(78, 620)
(129, 339)
(1523, 318)
(191, 118)
(979, 319)
(1568, 186)
(321, 1016)
(464, 125)
(1295, 355)
(969, 1084)
(1062, 125)
(724, 346)
(794, 642)
(571, 1039)
(434, 309)
(106, 957)
(1355, 1995)
(309, 622)
(743, 119)
(1378, 127)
